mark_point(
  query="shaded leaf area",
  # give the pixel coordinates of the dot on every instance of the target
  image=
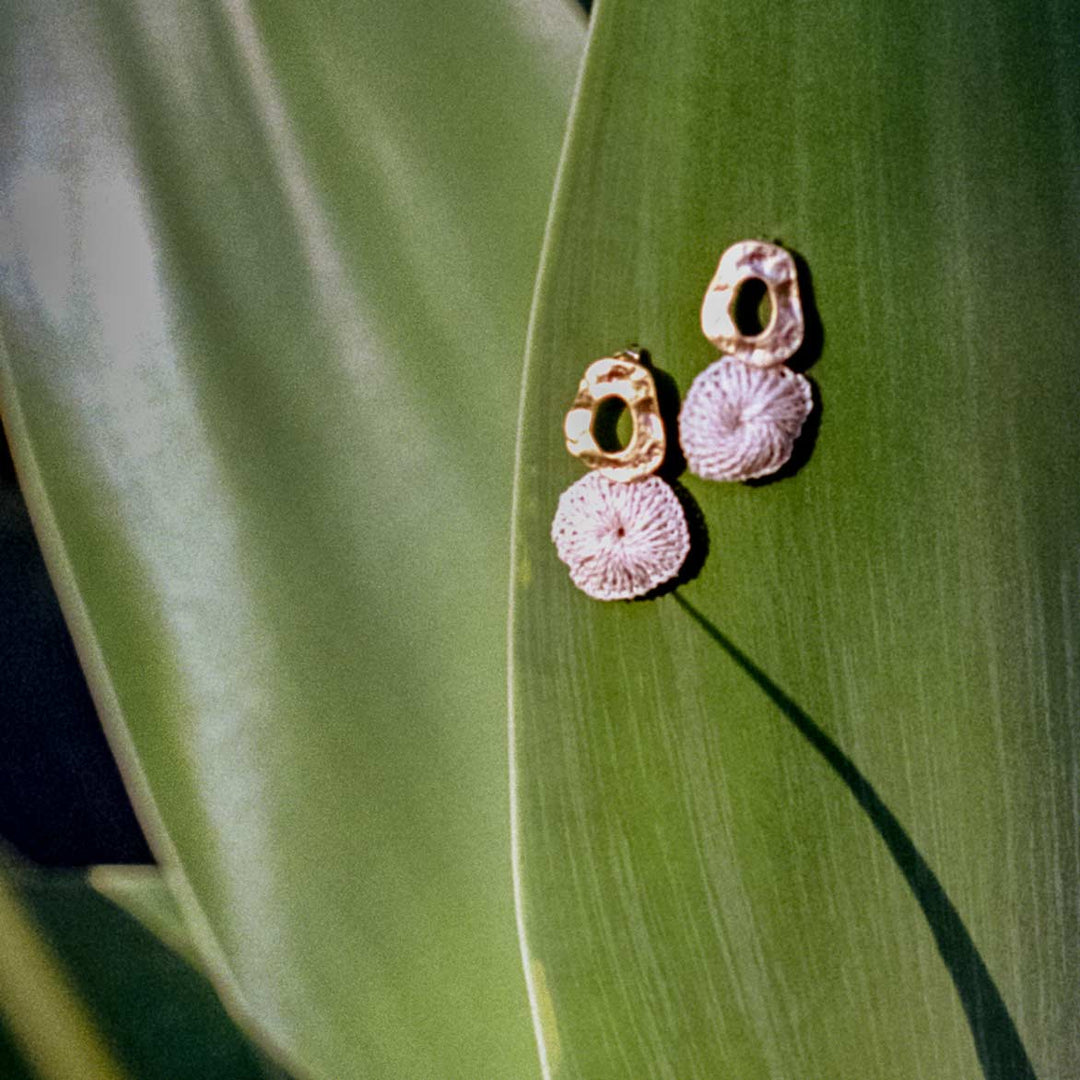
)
(264, 275)
(997, 1042)
(143, 893)
(885, 883)
(62, 802)
(12, 1060)
(160, 1019)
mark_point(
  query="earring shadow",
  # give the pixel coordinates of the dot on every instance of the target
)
(804, 444)
(998, 1045)
(801, 361)
(667, 395)
(699, 544)
(673, 466)
(669, 402)
(813, 341)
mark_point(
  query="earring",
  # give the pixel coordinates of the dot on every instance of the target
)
(743, 413)
(621, 530)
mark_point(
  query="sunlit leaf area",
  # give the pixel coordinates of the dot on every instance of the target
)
(320, 760)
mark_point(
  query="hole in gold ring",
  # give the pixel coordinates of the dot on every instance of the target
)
(613, 424)
(751, 307)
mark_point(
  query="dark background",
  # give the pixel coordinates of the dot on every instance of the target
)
(62, 802)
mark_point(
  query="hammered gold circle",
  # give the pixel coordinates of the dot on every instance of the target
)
(622, 377)
(774, 266)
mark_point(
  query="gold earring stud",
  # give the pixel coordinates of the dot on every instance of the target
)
(746, 261)
(621, 531)
(742, 414)
(622, 377)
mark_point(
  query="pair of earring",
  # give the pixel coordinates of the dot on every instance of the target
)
(621, 529)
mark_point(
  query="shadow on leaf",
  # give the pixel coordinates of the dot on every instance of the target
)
(997, 1042)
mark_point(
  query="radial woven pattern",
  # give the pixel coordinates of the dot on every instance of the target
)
(739, 422)
(620, 540)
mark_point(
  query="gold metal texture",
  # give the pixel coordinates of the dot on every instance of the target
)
(783, 335)
(621, 376)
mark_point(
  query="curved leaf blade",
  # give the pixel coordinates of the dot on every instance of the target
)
(263, 279)
(815, 813)
(45, 1027)
(153, 1015)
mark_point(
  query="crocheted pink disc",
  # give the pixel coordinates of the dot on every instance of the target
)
(740, 422)
(620, 540)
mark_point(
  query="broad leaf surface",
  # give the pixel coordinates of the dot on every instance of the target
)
(264, 276)
(106, 997)
(815, 813)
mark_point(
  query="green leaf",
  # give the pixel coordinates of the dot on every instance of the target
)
(104, 998)
(815, 813)
(264, 275)
(46, 1028)
(147, 897)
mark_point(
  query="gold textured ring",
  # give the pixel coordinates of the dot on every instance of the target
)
(622, 376)
(773, 266)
